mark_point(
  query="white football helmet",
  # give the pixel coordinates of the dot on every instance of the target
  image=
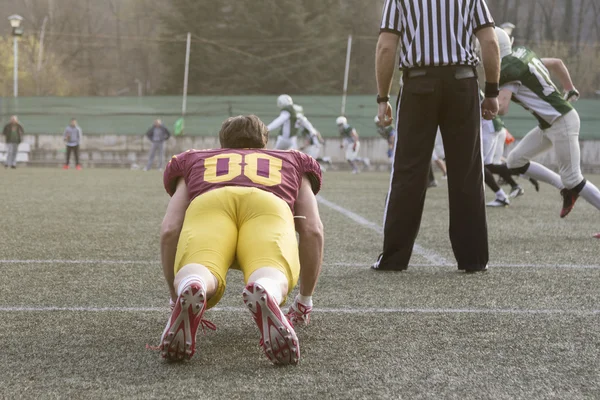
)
(284, 101)
(508, 27)
(341, 121)
(504, 42)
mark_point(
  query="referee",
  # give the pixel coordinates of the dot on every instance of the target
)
(440, 89)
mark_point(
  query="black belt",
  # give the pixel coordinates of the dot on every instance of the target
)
(459, 71)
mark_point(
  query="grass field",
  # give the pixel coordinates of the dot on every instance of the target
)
(81, 295)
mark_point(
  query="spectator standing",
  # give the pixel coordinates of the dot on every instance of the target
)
(13, 134)
(158, 135)
(72, 137)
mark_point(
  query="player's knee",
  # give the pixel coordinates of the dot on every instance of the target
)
(516, 163)
(572, 179)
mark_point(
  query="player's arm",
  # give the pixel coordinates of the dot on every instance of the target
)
(170, 230)
(504, 100)
(277, 122)
(305, 123)
(557, 67)
(310, 231)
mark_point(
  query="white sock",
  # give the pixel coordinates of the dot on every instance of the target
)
(190, 279)
(541, 173)
(306, 300)
(591, 193)
(501, 195)
(272, 287)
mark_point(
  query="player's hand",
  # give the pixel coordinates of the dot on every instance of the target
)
(572, 95)
(489, 108)
(385, 114)
(354, 147)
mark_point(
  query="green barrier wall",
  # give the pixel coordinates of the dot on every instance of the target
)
(133, 116)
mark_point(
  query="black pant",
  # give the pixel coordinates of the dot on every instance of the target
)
(75, 150)
(430, 98)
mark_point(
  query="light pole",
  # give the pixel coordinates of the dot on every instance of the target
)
(17, 30)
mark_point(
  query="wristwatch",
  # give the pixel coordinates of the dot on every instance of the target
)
(382, 99)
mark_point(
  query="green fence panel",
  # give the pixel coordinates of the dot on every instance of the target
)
(134, 115)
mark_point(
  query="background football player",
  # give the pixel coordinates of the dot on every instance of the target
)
(290, 119)
(351, 144)
(525, 79)
(389, 134)
(236, 206)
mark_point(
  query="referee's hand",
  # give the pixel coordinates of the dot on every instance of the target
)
(385, 114)
(489, 108)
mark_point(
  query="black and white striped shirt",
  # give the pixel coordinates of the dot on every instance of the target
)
(436, 32)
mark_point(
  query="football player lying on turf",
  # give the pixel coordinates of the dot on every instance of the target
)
(236, 205)
(525, 79)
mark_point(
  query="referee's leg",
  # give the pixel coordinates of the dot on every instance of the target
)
(460, 126)
(417, 126)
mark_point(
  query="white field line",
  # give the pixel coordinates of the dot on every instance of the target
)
(77, 261)
(491, 265)
(345, 310)
(426, 253)
(362, 265)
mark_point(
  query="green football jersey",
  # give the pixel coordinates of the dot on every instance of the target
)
(534, 90)
(386, 131)
(346, 132)
(293, 118)
(498, 124)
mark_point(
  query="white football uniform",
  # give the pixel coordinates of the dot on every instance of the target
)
(489, 141)
(438, 149)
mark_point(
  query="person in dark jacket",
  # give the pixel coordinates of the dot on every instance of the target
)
(72, 137)
(13, 134)
(158, 135)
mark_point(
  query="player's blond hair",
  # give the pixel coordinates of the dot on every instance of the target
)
(243, 132)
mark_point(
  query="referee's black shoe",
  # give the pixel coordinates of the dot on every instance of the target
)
(472, 270)
(378, 267)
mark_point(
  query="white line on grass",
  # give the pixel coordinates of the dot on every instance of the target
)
(76, 261)
(492, 265)
(363, 265)
(506, 311)
(426, 253)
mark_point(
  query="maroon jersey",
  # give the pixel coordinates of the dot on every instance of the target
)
(275, 171)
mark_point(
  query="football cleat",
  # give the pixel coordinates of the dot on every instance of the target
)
(432, 184)
(299, 313)
(597, 236)
(178, 341)
(535, 184)
(78, 167)
(516, 192)
(65, 167)
(278, 338)
(498, 203)
(569, 199)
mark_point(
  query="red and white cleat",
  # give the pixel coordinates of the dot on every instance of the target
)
(279, 340)
(178, 341)
(299, 314)
(597, 235)
(569, 198)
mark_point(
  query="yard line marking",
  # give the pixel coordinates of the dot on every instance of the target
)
(426, 253)
(345, 310)
(339, 264)
(75, 261)
(561, 266)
